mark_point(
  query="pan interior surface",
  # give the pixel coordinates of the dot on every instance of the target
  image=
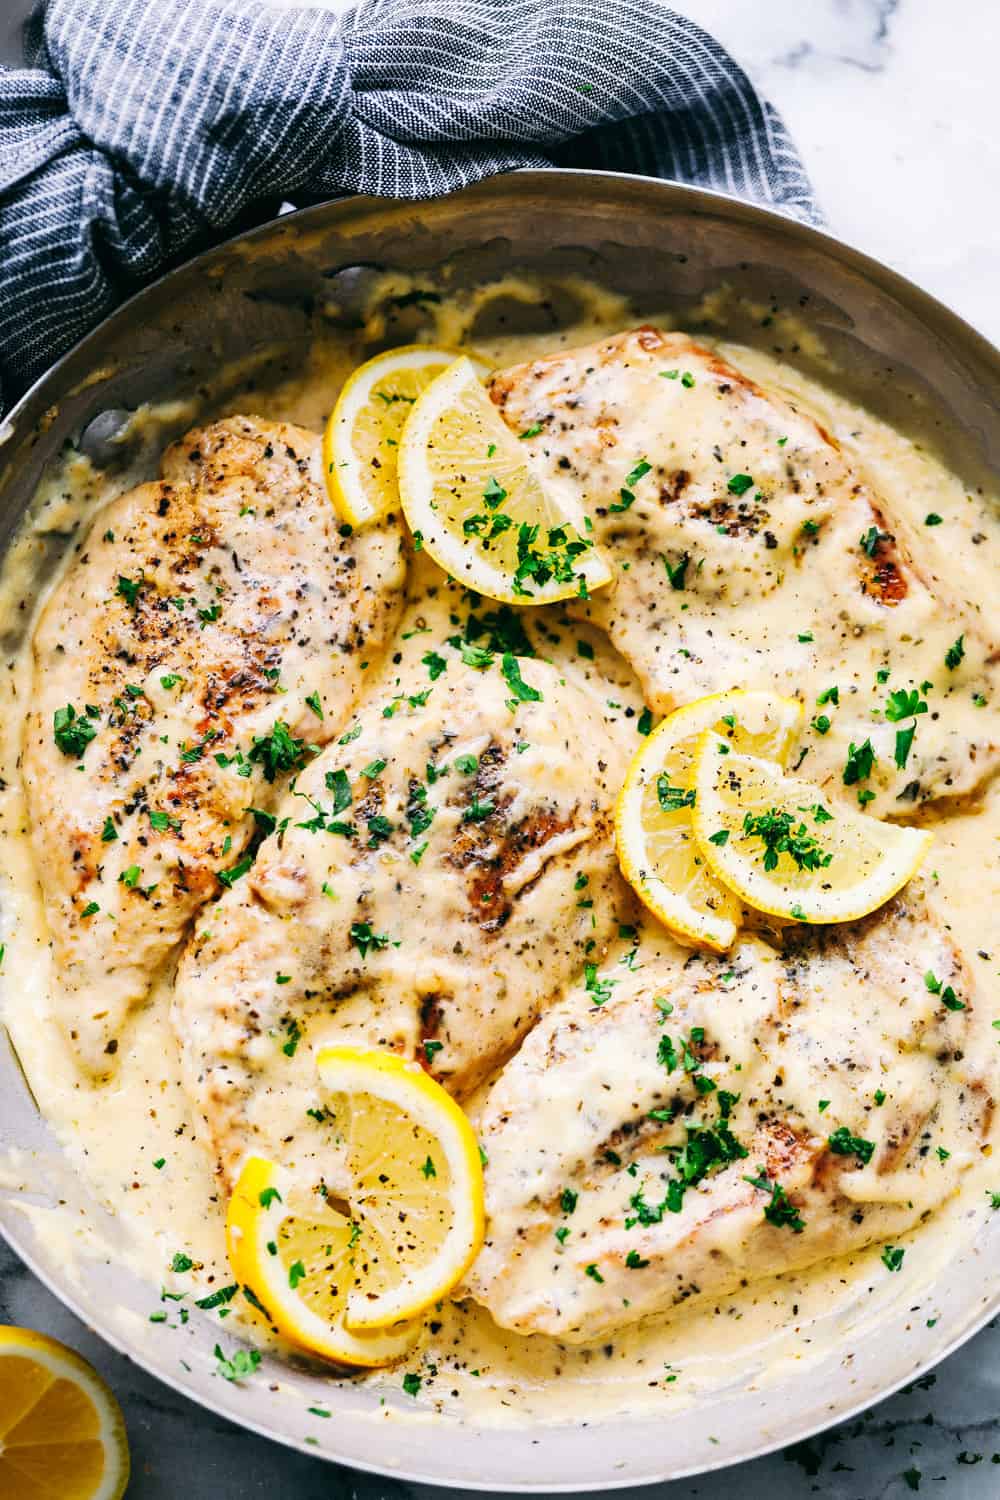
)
(240, 319)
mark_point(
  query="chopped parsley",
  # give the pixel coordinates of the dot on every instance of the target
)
(904, 743)
(892, 1257)
(478, 812)
(522, 691)
(229, 877)
(672, 798)
(599, 990)
(904, 703)
(955, 653)
(843, 1143)
(128, 589)
(219, 1298)
(676, 572)
(279, 751)
(313, 702)
(379, 829)
(738, 484)
(860, 762)
(109, 833)
(478, 657)
(870, 541)
(435, 664)
(949, 999)
(243, 1363)
(162, 821)
(780, 1211)
(780, 835)
(338, 783)
(71, 731)
(365, 939)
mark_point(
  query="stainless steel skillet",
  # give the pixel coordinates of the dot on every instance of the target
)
(258, 299)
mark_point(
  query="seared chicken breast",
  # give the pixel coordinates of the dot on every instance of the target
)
(690, 1123)
(211, 635)
(749, 553)
(434, 878)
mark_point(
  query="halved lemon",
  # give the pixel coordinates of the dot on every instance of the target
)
(474, 502)
(785, 849)
(61, 1429)
(361, 439)
(657, 850)
(349, 1280)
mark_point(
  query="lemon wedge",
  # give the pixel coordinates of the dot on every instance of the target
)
(61, 1429)
(783, 848)
(348, 1281)
(361, 439)
(657, 850)
(473, 501)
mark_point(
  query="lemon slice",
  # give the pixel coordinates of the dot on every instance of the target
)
(783, 848)
(297, 1254)
(657, 850)
(61, 1429)
(343, 1282)
(361, 440)
(473, 501)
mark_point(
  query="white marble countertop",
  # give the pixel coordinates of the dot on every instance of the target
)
(892, 103)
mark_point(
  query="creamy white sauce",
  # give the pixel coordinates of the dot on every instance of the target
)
(132, 1140)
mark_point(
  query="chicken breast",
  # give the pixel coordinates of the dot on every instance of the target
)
(691, 1124)
(750, 554)
(435, 877)
(209, 638)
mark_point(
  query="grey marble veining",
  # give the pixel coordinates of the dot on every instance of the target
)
(893, 104)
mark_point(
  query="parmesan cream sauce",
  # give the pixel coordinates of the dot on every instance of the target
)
(115, 1135)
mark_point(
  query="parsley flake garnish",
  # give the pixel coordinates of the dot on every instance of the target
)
(780, 835)
(738, 484)
(73, 732)
(242, 1363)
(860, 762)
(843, 1143)
(279, 751)
(522, 691)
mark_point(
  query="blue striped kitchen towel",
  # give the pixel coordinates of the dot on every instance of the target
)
(144, 128)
